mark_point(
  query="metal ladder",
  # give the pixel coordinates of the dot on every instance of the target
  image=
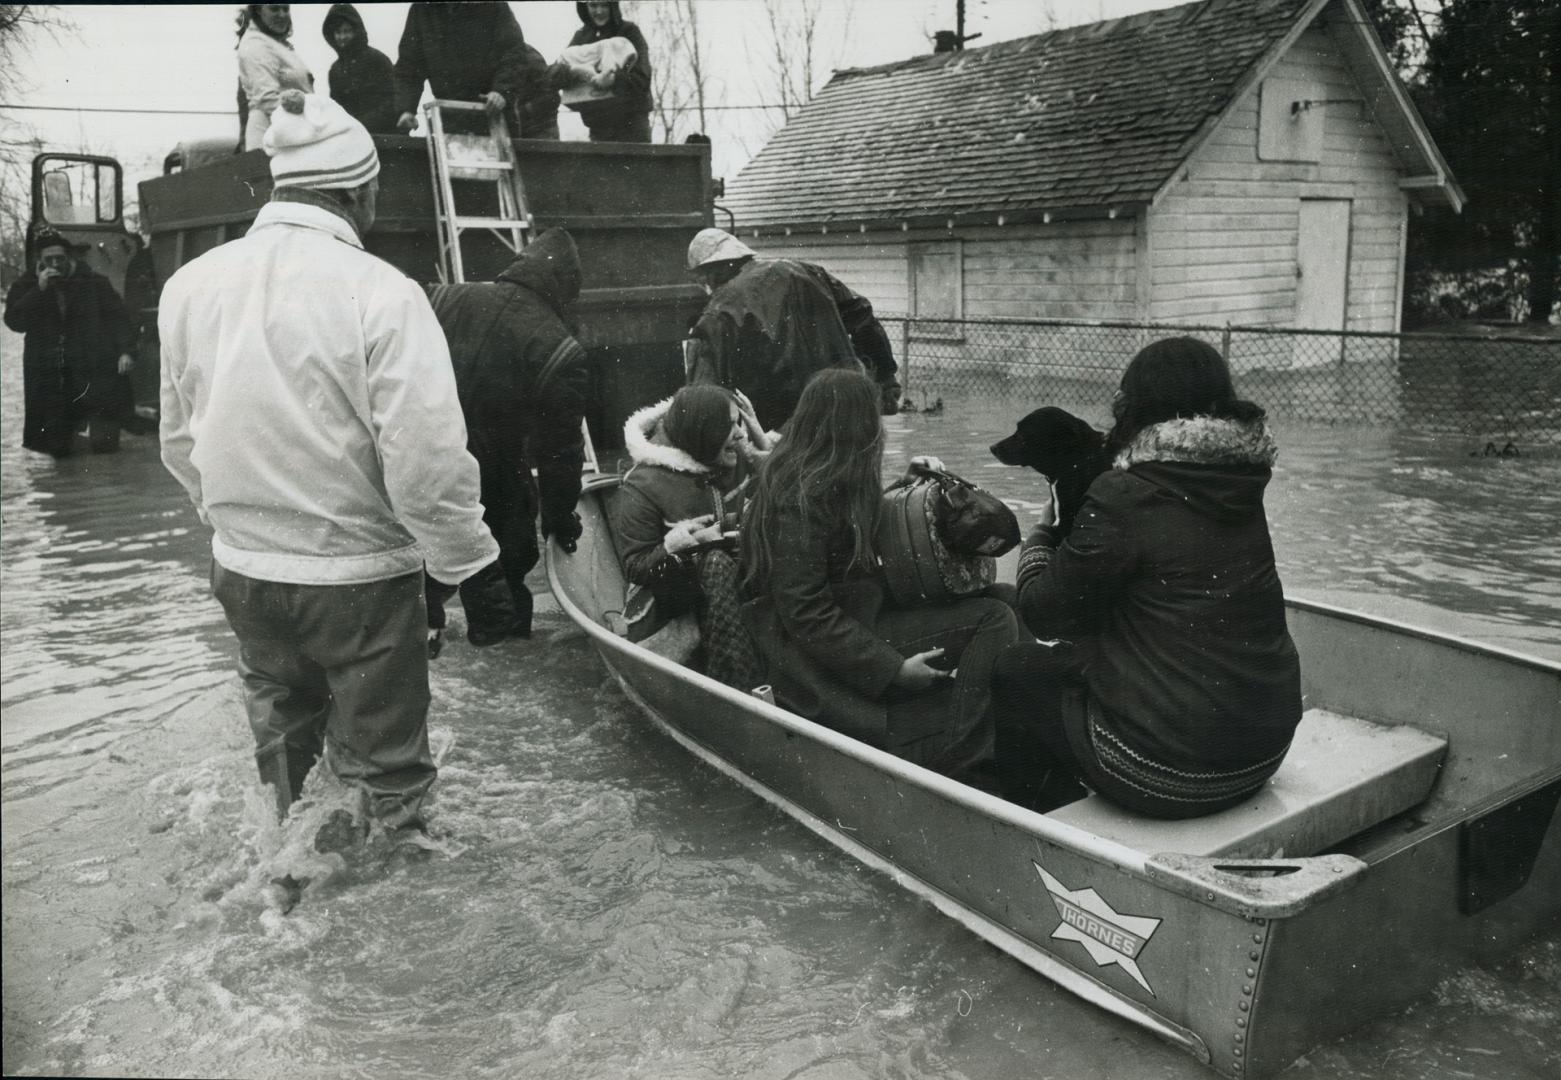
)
(489, 158)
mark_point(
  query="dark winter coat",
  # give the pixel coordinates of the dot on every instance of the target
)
(75, 334)
(666, 485)
(1167, 586)
(463, 50)
(523, 379)
(535, 100)
(770, 328)
(815, 625)
(362, 78)
(631, 95)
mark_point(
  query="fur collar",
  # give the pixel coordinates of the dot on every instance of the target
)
(643, 439)
(1201, 440)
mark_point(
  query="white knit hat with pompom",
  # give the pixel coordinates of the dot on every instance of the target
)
(314, 143)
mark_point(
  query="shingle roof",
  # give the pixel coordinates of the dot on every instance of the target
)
(1091, 117)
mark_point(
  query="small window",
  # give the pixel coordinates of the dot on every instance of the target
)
(108, 194)
(1291, 116)
(78, 191)
(937, 290)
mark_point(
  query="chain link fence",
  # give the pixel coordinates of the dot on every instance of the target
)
(1495, 394)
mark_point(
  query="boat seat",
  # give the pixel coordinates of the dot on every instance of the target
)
(1341, 776)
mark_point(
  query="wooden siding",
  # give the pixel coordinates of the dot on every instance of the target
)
(1065, 270)
(1223, 238)
(872, 264)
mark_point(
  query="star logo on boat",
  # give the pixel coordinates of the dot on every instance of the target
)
(1108, 936)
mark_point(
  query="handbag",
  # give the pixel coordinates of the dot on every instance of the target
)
(919, 518)
(971, 521)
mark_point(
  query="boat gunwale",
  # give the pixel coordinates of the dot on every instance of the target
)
(1441, 637)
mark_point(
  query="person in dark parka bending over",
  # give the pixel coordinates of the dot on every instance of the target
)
(362, 78)
(524, 384)
(771, 324)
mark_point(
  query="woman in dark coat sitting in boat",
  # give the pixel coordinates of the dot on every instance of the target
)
(837, 651)
(693, 456)
(1174, 688)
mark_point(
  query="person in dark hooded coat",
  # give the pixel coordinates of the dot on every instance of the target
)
(625, 116)
(1172, 687)
(362, 78)
(472, 52)
(77, 352)
(525, 384)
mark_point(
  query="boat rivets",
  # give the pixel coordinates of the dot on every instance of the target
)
(1241, 1021)
(1237, 1051)
(1251, 972)
(1257, 939)
(1247, 990)
(1254, 955)
(1244, 1006)
(1241, 1036)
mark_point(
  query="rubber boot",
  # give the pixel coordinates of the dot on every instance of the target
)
(285, 768)
(103, 434)
(491, 616)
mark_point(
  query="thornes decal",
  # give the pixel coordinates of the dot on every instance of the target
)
(1108, 937)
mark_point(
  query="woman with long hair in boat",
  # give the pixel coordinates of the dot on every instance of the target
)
(913, 681)
(677, 508)
(1172, 688)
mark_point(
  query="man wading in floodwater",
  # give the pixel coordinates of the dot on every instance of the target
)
(309, 409)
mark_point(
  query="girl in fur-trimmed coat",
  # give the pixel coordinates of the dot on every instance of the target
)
(1174, 688)
(692, 457)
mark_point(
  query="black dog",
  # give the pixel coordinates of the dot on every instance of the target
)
(1061, 447)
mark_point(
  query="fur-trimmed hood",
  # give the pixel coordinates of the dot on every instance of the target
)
(1219, 466)
(647, 444)
(1202, 440)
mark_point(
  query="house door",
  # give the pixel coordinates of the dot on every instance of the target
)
(1322, 270)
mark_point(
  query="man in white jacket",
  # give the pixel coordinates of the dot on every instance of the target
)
(309, 409)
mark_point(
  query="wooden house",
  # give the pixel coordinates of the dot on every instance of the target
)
(1246, 162)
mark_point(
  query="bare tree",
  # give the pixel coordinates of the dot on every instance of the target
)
(796, 55)
(681, 82)
(20, 26)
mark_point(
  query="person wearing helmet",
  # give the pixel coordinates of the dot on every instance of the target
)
(770, 324)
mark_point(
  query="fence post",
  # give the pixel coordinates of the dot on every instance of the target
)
(1225, 344)
(905, 355)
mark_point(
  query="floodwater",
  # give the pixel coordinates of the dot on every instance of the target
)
(599, 904)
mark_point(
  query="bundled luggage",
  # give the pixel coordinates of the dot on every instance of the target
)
(939, 537)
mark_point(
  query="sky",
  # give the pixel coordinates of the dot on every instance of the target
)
(180, 57)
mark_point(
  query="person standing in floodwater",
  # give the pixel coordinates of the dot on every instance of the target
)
(77, 354)
(309, 409)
